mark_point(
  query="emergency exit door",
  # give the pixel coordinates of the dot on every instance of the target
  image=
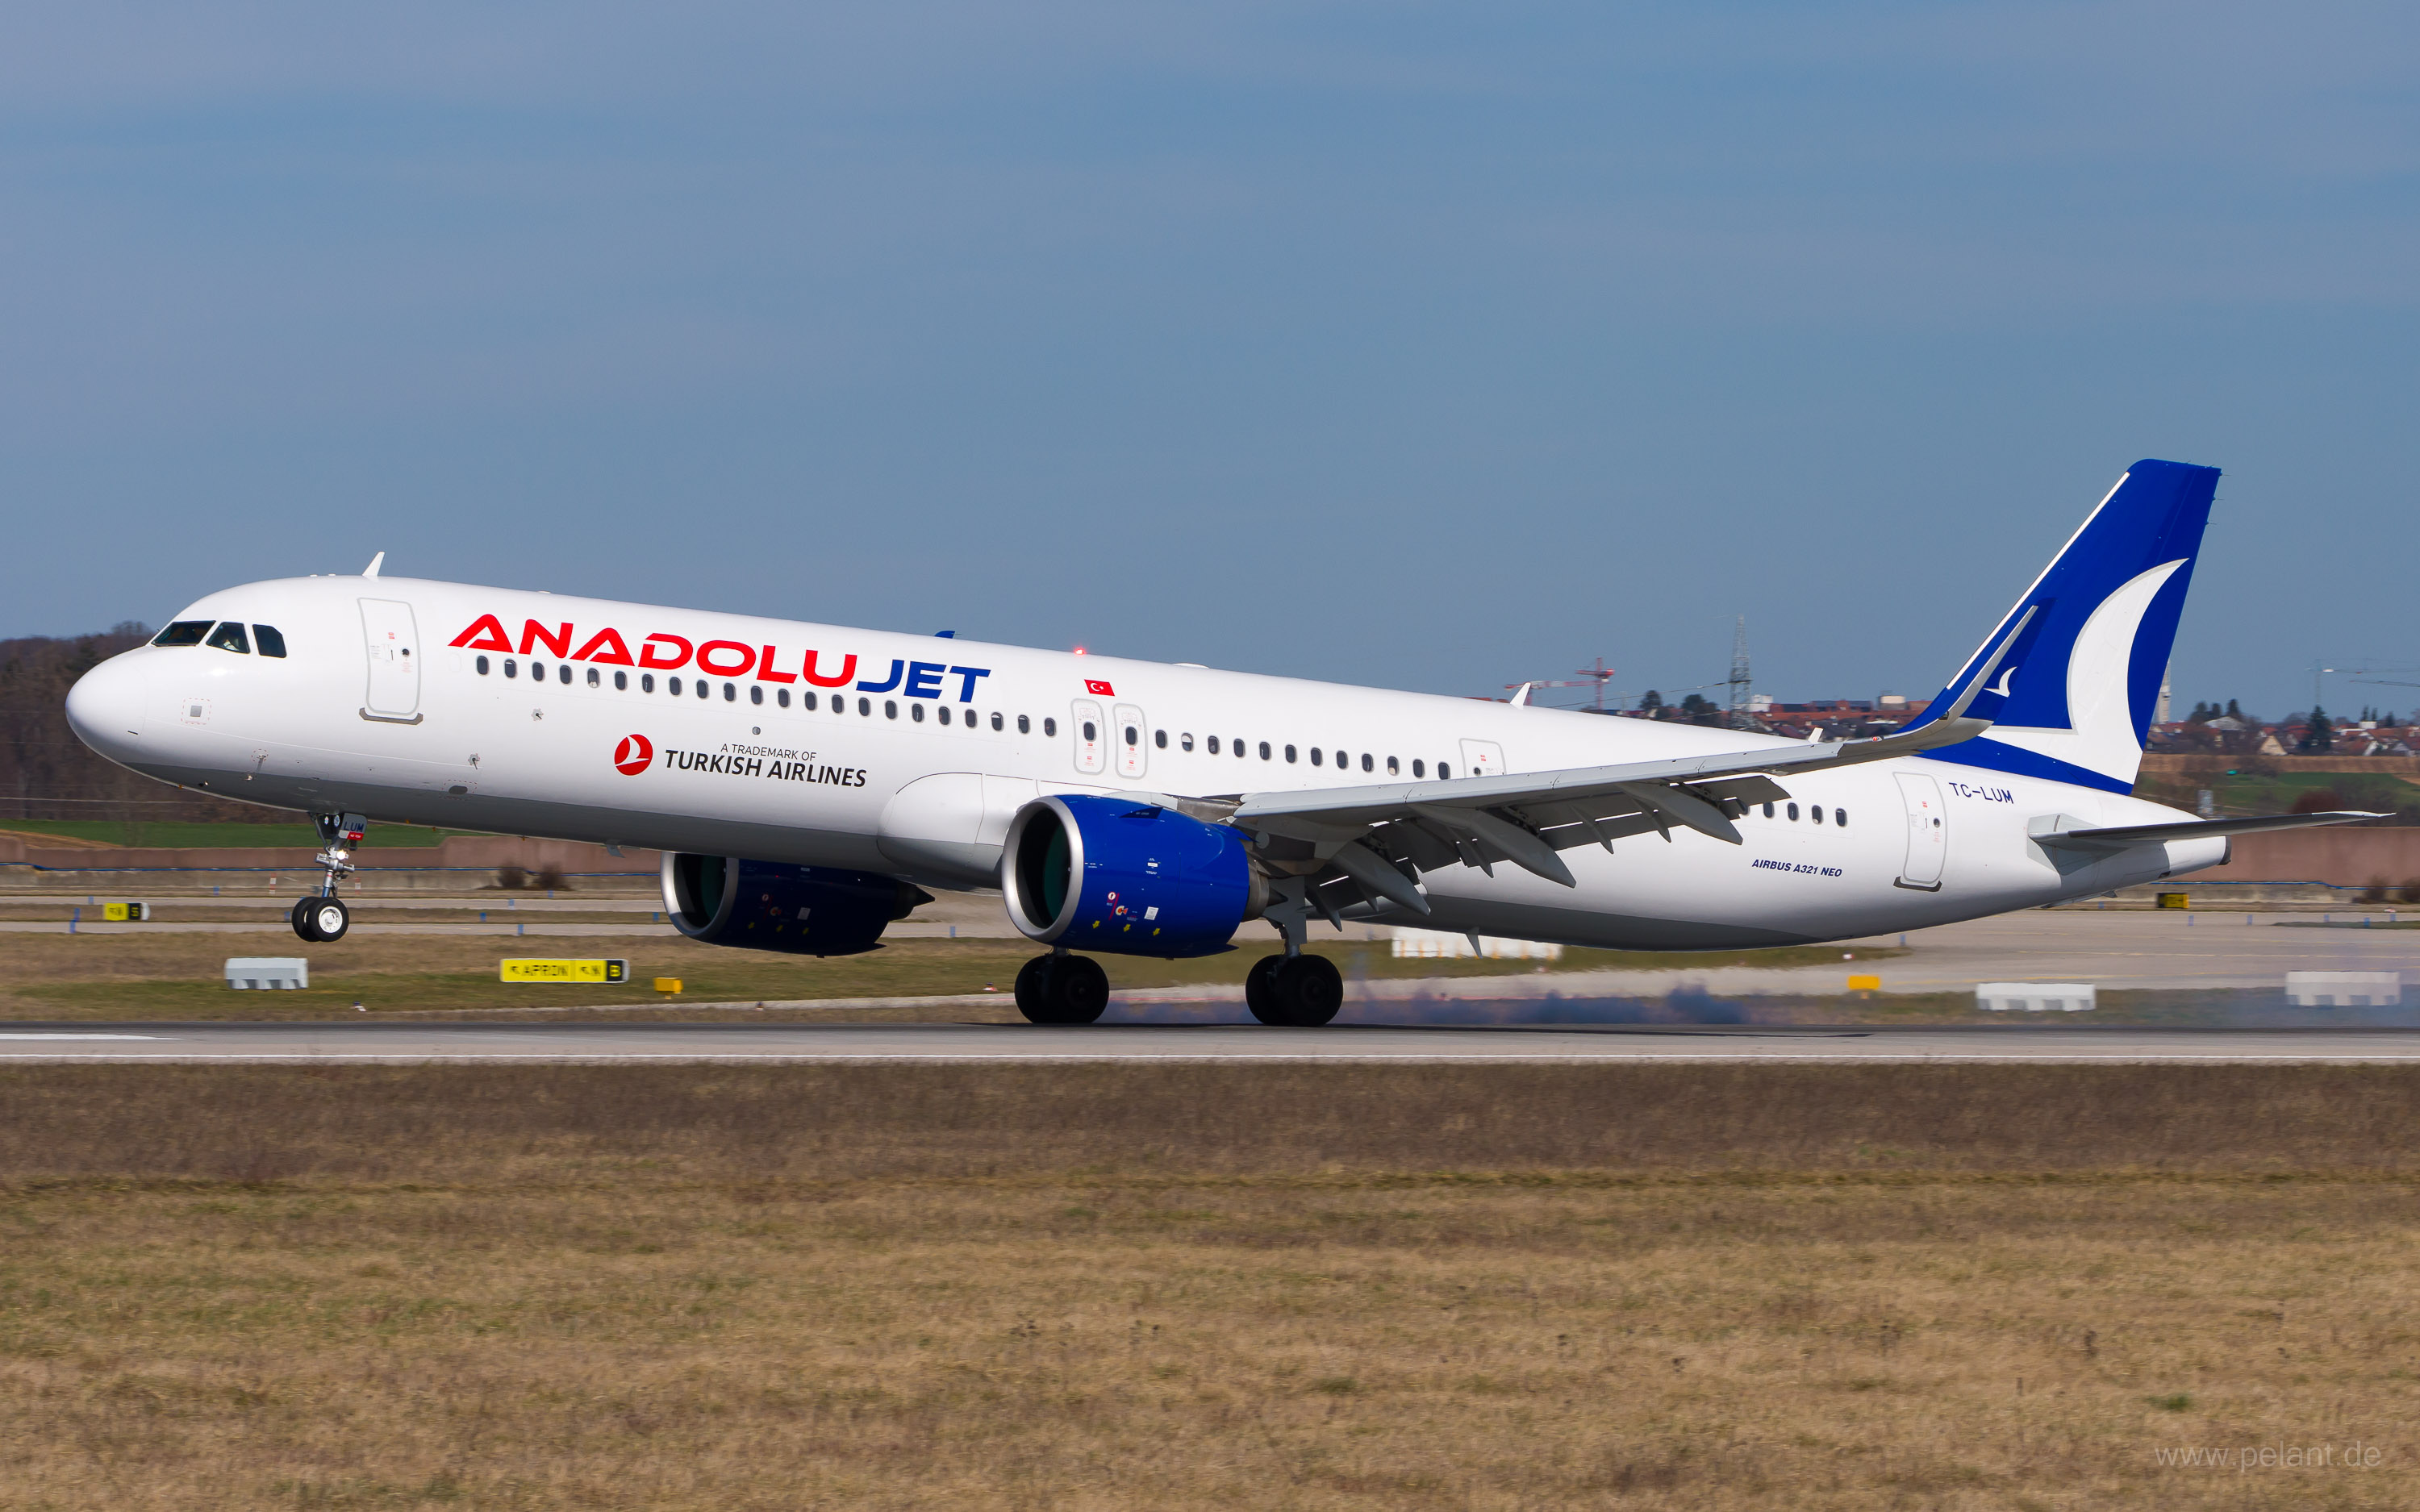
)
(1927, 834)
(393, 643)
(1131, 730)
(1091, 741)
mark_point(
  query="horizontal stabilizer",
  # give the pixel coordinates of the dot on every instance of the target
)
(2117, 836)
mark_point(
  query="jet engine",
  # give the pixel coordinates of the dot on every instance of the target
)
(776, 906)
(1111, 874)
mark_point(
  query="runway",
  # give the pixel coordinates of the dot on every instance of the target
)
(634, 1043)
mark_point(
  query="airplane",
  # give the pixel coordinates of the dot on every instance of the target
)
(808, 782)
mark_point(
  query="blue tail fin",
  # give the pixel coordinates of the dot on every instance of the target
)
(2074, 697)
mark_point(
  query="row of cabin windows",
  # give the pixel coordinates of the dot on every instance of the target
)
(1814, 812)
(228, 635)
(808, 700)
(1320, 756)
(1243, 749)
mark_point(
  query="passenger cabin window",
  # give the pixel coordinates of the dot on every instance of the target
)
(673, 686)
(482, 664)
(595, 678)
(1768, 811)
(1444, 771)
(1793, 811)
(997, 722)
(512, 670)
(265, 641)
(1839, 816)
(1420, 768)
(1264, 750)
(1815, 812)
(230, 636)
(1392, 769)
(1184, 741)
(1211, 744)
(1314, 754)
(182, 633)
(537, 671)
(890, 708)
(1049, 727)
(562, 674)
(755, 692)
(647, 683)
(782, 698)
(730, 692)
(621, 682)
(914, 710)
(1289, 753)
(1239, 750)
(702, 689)
(943, 710)
(807, 699)
(1365, 761)
(1024, 725)
(1160, 738)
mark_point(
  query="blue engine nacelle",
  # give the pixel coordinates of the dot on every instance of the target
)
(776, 906)
(1096, 873)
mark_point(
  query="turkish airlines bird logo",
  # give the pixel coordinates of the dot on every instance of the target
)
(1101, 688)
(633, 755)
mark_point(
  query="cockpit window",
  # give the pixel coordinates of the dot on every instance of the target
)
(182, 633)
(230, 636)
(269, 642)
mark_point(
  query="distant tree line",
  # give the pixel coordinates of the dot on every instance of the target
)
(47, 773)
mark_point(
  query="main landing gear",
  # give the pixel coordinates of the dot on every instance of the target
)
(1293, 991)
(1290, 991)
(321, 917)
(1299, 992)
(1062, 988)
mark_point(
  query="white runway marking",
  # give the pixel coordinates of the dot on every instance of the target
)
(84, 1037)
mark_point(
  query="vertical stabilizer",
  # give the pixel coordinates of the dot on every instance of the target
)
(2072, 700)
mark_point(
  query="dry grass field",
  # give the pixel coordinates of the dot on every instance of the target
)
(1119, 1286)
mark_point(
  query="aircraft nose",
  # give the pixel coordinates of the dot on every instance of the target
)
(105, 706)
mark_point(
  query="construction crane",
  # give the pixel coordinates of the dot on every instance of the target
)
(1594, 677)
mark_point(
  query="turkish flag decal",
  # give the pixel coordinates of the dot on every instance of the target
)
(1103, 689)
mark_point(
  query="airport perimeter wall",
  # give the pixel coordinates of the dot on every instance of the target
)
(2341, 856)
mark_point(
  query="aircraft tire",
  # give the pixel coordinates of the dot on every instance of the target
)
(1261, 992)
(328, 918)
(299, 917)
(1310, 991)
(1052, 989)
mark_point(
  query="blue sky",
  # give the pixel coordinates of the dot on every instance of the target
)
(1429, 346)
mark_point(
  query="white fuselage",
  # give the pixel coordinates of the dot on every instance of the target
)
(383, 711)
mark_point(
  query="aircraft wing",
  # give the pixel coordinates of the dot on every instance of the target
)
(2117, 836)
(1371, 833)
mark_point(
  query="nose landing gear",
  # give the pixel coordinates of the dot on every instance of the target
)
(322, 918)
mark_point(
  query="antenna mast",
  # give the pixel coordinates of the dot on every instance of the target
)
(1739, 678)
